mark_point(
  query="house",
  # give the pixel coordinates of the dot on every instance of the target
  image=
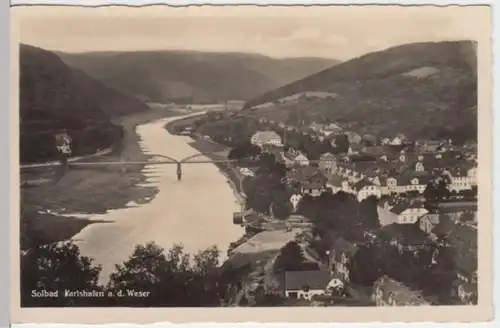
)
(409, 212)
(336, 183)
(315, 126)
(464, 239)
(458, 177)
(340, 256)
(385, 215)
(406, 237)
(328, 162)
(306, 284)
(389, 292)
(63, 143)
(431, 146)
(247, 172)
(396, 141)
(262, 138)
(330, 129)
(374, 150)
(295, 200)
(466, 293)
(353, 137)
(365, 189)
(429, 221)
(413, 181)
(313, 185)
(301, 159)
(335, 286)
(472, 175)
(354, 149)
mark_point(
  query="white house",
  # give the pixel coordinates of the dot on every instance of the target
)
(417, 184)
(247, 172)
(392, 185)
(472, 175)
(409, 213)
(301, 159)
(397, 141)
(262, 138)
(334, 285)
(365, 189)
(295, 200)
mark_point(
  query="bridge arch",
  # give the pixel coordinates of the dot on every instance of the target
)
(188, 158)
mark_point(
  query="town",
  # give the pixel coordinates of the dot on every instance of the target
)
(362, 219)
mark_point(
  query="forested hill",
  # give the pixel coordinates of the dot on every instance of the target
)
(191, 76)
(419, 89)
(55, 97)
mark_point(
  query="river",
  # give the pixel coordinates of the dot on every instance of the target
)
(196, 212)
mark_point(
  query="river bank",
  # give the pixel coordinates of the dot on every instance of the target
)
(209, 148)
(46, 208)
(201, 204)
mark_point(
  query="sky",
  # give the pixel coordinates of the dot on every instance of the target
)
(337, 32)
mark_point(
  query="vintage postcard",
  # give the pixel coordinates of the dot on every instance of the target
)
(251, 164)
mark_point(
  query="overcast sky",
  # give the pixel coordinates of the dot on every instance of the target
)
(339, 32)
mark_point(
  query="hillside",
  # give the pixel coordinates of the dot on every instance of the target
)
(420, 89)
(56, 97)
(193, 77)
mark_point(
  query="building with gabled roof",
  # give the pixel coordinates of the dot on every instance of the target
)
(340, 256)
(261, 138)
(409, 212)
(389, 292)
(364, 189)
(406, 237)
(328, 162)
(306, 284)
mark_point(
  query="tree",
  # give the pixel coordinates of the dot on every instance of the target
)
(243, 301)
(206, 261)
(57, 267)
(369, 214)
(168, 278)
(244, 150)
(281, 206)
(291, 258)
(367, 265)
(266, 163)
(342, 142)
(436, 191)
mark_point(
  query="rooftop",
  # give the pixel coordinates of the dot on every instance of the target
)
(315, 280)
(405, 234)
(401, 294)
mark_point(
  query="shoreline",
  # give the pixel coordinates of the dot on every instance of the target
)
(224, 169)
(49, 208)
(58, 226)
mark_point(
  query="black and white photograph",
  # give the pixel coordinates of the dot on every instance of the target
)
(249, 157)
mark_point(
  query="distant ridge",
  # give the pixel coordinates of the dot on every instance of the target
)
(419, 89)
(191, 76)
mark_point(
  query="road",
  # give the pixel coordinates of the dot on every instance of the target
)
(196, 211)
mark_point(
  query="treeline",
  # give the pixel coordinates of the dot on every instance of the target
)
(41, 146)
(160, 278)
(54, 97)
